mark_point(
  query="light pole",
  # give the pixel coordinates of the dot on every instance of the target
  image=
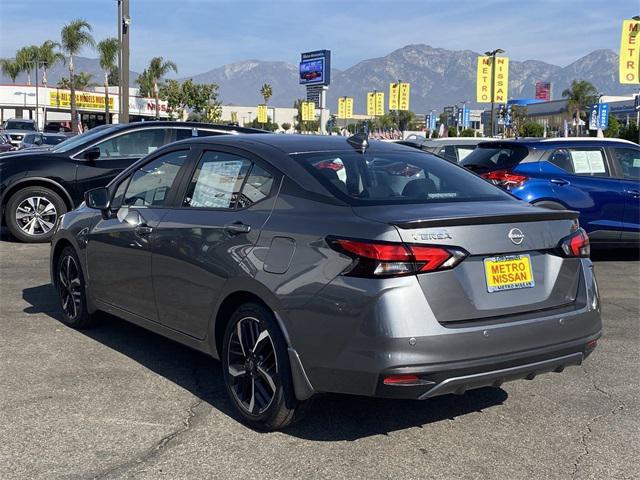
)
(124, 22)
(493, 54)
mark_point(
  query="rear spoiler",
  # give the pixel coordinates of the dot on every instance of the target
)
(539, 216)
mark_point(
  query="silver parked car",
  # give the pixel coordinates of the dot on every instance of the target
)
(324, 264)
(454, 149)
(16, 129)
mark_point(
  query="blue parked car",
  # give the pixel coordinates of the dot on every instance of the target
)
(598, 177)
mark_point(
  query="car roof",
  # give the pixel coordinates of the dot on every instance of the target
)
(170, 123)
(549, 143)
(296, 143)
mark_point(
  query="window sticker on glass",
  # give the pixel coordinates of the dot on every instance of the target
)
(215, 185)
(587, 161)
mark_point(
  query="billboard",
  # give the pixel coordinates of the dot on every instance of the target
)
(315, 68)
(630, 52)
(543, 91)
(62, 98)
(500, 88)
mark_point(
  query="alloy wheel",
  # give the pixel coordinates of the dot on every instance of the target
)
(252, 366)
(36, 215)
(69, 287)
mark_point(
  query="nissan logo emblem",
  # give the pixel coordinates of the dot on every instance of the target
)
(516, 236)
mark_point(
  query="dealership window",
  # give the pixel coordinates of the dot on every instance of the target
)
(150, 184)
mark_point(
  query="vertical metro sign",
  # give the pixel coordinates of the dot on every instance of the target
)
(630, 52)
(500, 85)
(375, 104)
(399, 93)
(308, 111)
(262, 114)
(345, 107)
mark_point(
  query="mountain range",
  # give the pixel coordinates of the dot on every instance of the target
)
(438, 77)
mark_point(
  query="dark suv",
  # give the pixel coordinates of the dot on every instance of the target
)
(36, 187)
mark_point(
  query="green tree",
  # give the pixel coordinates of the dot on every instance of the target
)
(151, 78)
(49, 55)
(199, 98)
(613, 129)
(81, 81)
(531, 129)
(468, 132)
(286, 126)
(269, 126)
(267, 92)
(108, 56)
(10, 68)
(579, 96)
(75, 36)
(630, 132)
(27, 58)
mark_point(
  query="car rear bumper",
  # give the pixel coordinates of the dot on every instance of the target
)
(345, 350)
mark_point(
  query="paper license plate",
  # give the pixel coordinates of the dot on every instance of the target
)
(508, 272)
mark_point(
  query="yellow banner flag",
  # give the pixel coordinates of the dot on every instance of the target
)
(345, 107)
(501, 80)
(375, 103)
(483, 80)
(394, 92)
(262, 114)
(630, 52)
(308, 111)
(404, 96)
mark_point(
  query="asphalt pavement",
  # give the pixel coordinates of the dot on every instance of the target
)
(120, 402)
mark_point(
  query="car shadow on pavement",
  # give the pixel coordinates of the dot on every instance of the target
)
(330, 417)
(600, 254)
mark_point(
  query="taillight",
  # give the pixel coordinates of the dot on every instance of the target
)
(505, 178)
(576, 244)
(387, 259)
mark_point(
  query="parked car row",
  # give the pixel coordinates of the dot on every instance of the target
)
(312, 264)
(37, 186)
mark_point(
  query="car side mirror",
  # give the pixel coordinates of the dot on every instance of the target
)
(98, 198)
(92, 154)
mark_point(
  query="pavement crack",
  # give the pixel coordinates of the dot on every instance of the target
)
(192, 412)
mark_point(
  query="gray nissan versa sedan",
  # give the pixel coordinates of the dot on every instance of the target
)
(324, 264)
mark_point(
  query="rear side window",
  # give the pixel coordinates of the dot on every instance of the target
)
(487, 159)
(629, 160)
(581, 161)
(223, 180)
(394, 177)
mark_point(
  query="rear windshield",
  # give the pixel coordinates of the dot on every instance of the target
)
(494, 157)
(13, 125)
(53, 139)
(396, 177)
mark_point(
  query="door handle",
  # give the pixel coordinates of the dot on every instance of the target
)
(634, 193)
(237, 227)
(144, 230)
(559, 181)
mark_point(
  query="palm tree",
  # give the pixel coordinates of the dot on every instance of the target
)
(80, 81)
(75, 35)
(153, 75)
(49, 56)
(108, 50)
(26, 58)
(579, 95)
(10, 68)
(267, 92)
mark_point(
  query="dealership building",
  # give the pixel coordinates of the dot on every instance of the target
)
(47, 104)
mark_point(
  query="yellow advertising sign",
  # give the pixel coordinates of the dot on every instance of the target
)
(501, 80)
(399, 96)
(500, 83)
(234, 117)
(630, 52)
(308, 111)
(483, 80)
(345, 107)
(262, 114)
(375, 103)
(83, 100)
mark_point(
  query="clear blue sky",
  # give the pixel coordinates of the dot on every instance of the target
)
(203, 34)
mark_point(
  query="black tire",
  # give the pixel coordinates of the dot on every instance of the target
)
(70, 285)
(31, 214)
(550, 205)
(282, 409)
